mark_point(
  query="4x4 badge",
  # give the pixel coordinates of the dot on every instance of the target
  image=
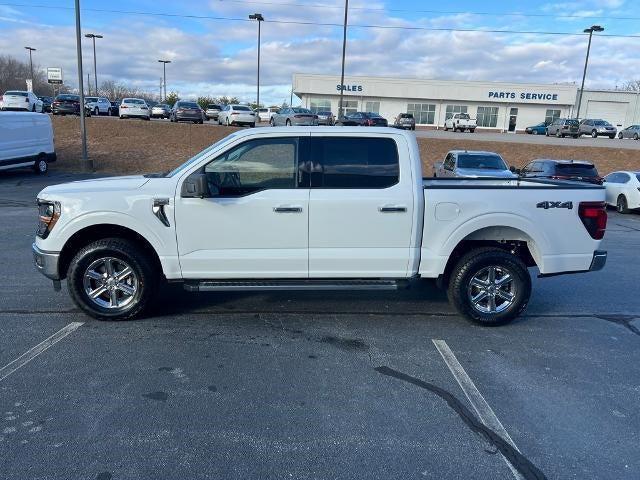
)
(548, 205)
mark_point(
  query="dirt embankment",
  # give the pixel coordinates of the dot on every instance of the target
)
(135, 146)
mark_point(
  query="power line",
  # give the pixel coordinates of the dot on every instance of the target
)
(435, 12)
(320, 24)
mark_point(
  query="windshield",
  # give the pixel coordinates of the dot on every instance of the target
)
(578, 169)
(489, 162)
(18, 94)
(602, 123)
(464, 116)
(301, 110)
(241, 108)
(90, 99)
(198, 156)
(67, 97)
(213, 107)
(188, 105)
(135, 101)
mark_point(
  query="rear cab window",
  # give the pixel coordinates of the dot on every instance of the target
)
(578, 169)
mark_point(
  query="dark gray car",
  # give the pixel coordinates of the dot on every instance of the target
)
(406, 121)
(562, 127)
(597, 128)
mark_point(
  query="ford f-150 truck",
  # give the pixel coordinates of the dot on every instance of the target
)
(314, 208)
(460, 122)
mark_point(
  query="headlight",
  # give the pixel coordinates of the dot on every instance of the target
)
(48, 215)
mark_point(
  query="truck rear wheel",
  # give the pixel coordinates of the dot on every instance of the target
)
(112, 279)
(490, 286)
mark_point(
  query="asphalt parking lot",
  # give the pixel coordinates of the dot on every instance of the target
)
(317, 385)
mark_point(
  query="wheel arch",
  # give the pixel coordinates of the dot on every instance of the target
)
(89, 234)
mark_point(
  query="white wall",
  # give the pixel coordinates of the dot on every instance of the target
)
(627, 104)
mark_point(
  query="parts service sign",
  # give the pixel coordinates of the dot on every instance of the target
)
(54, 75)
(525, 96)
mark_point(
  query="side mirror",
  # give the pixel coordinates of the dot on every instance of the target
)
(515, 170)
(195, 186)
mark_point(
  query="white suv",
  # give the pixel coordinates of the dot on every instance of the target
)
(20, 100)
(98, 105)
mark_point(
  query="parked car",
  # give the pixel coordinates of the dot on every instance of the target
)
(237, 115)
(326, 117)
(46, 103)
(212, 112)
(363, 119)
(235, 218)
(472, 164)
(539, 129)
(561, 127)
(265, 114)
(575, 170)
(21, 100)
(597, 128)
(632, 131)
(294, 116)
(134, 107)
(161, 110)
(406, 121)
(115, 108)
(623, 190)
(26, 141)
(98, 105)
(68, 104)
(460, 122)
(184, 111)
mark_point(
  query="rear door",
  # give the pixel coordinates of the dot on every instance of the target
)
(360, 207)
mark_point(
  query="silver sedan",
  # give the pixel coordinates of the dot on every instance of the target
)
(630, 132)
(294, 117)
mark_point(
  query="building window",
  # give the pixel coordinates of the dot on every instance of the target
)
(551, 115)
(373, 107)
(350, 106)
(453, 109)
(487, 117)
(318, 105)
(424, 113)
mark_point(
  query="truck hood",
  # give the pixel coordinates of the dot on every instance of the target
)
(484, 172)
(107, 184)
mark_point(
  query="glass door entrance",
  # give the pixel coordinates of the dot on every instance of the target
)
(513, 119)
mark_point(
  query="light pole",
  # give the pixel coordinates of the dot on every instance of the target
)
(31, 49)
(259, 18)
(93, 37)
(590, 30)
(87, 165)
(344, 51)
(164, 76)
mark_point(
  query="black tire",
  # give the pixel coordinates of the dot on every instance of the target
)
(575, 136)
(96, 112)
(635, 136)
(622, 206)
(41, 166)
(472, 130)
(620, 136)
(546, 132)
(535, 132)
(122, 250)
(483, 259)
(288, 122)
(252, 125)
(612, 137)
(33, 109)
(272, 123)
(594, 134)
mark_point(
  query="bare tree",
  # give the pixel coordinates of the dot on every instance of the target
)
(631, 85)
(114, 90)
(13, 75)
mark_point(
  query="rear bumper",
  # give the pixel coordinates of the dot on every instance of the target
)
(46, 262)
(598, 262)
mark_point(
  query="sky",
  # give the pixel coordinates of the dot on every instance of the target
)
(213, 46)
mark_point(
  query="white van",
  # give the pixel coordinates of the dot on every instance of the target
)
(26, 140)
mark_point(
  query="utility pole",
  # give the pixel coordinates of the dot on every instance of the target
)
(344, 52)
(87, 165)
(93, 37)
(259, 18)
(590, 30)
(88, 84)
(31, 49)
(164, 76)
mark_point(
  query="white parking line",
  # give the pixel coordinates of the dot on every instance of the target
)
(32, 353)
(479, 404)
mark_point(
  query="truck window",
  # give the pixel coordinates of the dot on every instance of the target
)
(350, 162)
(261, 164)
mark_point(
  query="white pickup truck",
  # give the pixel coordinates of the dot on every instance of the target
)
(314, 208)
(460, 122)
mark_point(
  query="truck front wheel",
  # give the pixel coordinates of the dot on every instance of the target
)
(112, 279)
(490, 286)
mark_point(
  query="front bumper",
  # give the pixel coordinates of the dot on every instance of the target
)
(46, 262)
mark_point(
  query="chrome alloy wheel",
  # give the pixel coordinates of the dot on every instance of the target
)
(110, 283)
(492, 290)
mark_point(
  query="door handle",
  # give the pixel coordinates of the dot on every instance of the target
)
(392, 209)
(286, 209)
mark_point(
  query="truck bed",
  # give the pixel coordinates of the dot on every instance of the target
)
(501, 183)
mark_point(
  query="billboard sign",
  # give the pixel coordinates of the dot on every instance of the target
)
(54, 75)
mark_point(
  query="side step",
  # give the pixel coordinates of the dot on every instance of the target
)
(283, 285)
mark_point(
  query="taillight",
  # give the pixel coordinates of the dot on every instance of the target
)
(123, 106)
(371, 123)
(594, 218)
(26, 99)
(235, 113)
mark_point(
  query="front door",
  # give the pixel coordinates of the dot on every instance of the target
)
(360, 207)
(513, 119)
(255, 225)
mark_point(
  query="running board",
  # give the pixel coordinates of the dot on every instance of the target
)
(283, 285)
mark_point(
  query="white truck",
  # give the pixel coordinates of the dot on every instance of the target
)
(460, 122)
(318, 208)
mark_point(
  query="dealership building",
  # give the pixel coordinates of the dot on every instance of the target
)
(498, 106)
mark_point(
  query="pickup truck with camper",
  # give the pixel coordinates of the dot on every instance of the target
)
(460, 122)
(315, 208)
(472, 164)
